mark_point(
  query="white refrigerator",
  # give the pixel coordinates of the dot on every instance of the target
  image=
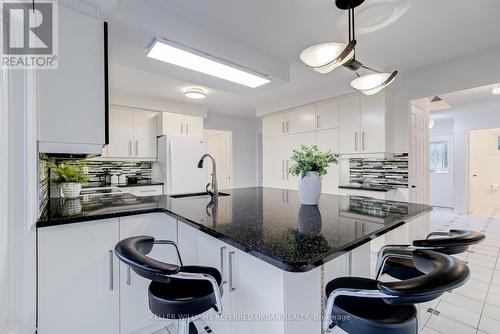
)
(177, 165)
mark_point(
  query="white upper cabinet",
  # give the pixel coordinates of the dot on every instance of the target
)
(294, 142)
(71, 98)
(132, 134)
(274, 173)
(173, 124)
(274, 125)
(328, 139)
(327, 115)
(349, 138)
(373, 123)
(301, 120)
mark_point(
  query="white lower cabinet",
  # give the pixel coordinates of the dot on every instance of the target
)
(78, 281)
(82, 286)
(134, 305)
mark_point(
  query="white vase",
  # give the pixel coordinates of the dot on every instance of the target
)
(70, 190)
(310, 188)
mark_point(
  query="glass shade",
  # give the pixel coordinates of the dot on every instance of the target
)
(326, 57)
(195, 93)
(371, 84)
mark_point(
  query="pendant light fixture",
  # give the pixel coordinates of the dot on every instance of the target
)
(326, 57)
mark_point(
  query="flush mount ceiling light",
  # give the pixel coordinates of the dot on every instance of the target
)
(496, 90)
(195, 93)
(182, 56)
(326, 57)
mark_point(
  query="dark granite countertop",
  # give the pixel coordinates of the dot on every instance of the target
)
(121, 185)
(267, 223)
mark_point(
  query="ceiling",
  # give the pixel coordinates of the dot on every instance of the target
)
(392, 34)
(470, 100)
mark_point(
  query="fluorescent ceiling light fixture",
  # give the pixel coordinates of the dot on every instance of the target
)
(195, 93)
(496, 90)
(371, 84)
(197, 61)
(326, 57)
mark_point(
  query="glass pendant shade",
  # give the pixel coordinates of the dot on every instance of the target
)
(371, 84)
(326, 57)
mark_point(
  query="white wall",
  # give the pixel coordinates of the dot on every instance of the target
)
(485, 163)
(245, 146)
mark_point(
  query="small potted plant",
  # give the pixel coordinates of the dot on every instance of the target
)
(69, 177)
(310, 164)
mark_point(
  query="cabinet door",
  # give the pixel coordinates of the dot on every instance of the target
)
(144, 134)
(329, 140)
(294, 142)
(214, 253)
(170, 124)
(349, 137)
(301, 120)
(256, 289)
(78, 278)
(121, 133)
(71, 97)
(273, 125)
(134, 305)
(274, 172)
(327, 115)
(193, 126)
(372, 120)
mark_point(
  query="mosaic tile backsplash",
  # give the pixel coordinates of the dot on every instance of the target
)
(390, 172)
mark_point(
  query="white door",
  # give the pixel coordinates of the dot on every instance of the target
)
(329, 140)
(193, 126)
(327, 115)
(145, 134)
(273, 153)
(372, 123)
(121, 133)
(349, 137)
(301, 120)
(273, 125)
(441, 171)
(134, 305)
(418, 159)
(219, 146)
(214, 253)
(294, 142)
(78, 278)
(253, 289)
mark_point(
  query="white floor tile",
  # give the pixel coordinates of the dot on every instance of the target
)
(459, 300)
(491, 311)
(446, 325)
(460, 314)
(489, 325)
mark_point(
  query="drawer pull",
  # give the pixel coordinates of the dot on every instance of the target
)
(231, 283)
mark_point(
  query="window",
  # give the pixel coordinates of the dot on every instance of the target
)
(438, 157)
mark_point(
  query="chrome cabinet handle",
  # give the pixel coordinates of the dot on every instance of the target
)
(287, 173)
(317, 121)
(355, 141)
(136, 148)
(287, 126)
(363, 140)
(182, 128)
(129, 276)
(282, 127)
(187, 129)
(111, 274)
(222, 251)
(282, 169)
(231, 284)
(130, 148)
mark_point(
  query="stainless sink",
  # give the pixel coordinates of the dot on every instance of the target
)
(197, 195)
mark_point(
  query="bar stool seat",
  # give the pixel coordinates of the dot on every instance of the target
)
(180, 298)
(370, 315)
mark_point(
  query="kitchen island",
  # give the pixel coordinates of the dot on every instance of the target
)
(275, 255)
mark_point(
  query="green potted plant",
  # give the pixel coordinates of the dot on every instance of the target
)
(69, 177)
(310, 164)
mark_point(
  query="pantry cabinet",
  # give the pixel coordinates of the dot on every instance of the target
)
(132, 134)
(327, 115)
(174, 124)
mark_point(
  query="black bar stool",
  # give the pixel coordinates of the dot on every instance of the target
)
(366, 306)
(452, 242)
(176, 291)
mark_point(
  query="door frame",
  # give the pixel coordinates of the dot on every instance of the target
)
(450, 138)
(421, 104)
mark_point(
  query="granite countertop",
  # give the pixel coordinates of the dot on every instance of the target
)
(267, 223)
(369, 187)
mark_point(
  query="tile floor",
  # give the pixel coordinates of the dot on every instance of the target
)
(474, 307)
